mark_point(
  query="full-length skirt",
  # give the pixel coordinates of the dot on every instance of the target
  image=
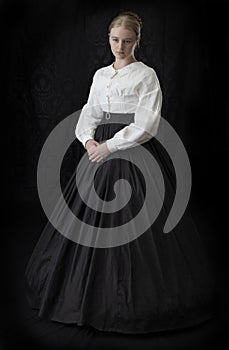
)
(153, 282)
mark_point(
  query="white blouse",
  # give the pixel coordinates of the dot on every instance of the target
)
(134, 88)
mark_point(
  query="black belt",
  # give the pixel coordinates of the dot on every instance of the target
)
(122, 118)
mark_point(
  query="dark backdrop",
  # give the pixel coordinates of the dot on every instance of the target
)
(49, 53)
(50, 50)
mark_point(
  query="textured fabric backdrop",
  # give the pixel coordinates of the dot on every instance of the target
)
(51, 49)
(49, 53)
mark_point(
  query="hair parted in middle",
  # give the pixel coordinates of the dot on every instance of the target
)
(129, 20)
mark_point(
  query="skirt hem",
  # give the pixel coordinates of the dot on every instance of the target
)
(181, 324)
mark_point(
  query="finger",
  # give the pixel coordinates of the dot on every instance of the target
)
(92, 152)
(95, 159)
(93, 156)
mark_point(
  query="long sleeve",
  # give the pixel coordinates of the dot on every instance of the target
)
(146, 119)
(90, 116)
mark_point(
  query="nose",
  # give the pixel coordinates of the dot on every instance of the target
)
(120, 46)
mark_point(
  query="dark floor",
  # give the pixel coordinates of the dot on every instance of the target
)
(21, 326)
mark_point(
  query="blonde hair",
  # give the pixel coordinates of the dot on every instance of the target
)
(129, 20)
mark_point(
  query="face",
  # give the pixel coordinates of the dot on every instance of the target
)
(122, 42)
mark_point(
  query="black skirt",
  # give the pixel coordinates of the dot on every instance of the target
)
(154, 282)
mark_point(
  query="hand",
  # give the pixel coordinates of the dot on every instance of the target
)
(91, 142)
(97, 153)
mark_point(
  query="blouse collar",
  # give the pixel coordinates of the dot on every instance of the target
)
(126, 69)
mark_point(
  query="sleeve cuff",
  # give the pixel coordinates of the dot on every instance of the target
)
(111, 145)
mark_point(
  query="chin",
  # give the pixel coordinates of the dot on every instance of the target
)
(120, 56)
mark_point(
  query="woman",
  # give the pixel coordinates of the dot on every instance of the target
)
(152, 281)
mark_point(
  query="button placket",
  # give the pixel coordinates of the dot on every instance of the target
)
(108, 114)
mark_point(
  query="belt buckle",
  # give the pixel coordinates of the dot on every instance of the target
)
(108, 115)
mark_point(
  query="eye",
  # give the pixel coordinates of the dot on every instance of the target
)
(115, 39)
(127, 41)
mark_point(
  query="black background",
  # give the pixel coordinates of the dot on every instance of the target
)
(49, 53)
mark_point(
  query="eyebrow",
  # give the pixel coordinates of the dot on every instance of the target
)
(123, 39)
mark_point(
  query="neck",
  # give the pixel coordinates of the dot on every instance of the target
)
(118, 64)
